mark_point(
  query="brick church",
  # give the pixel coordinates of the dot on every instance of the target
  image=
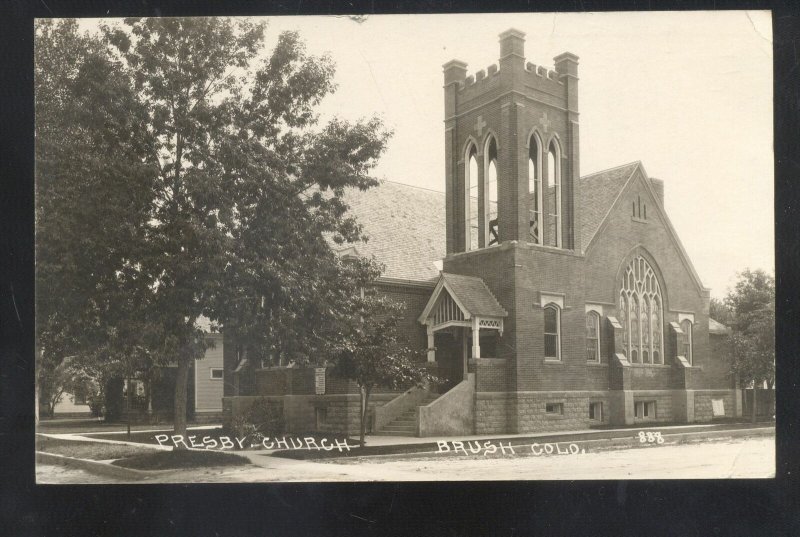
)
(549, 300)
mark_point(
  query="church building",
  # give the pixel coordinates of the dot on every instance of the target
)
(548, 300)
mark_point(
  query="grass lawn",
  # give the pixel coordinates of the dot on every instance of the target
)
(87, 450)
(168, 460)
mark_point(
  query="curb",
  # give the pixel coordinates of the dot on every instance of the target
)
(622, 442)
(97, 467)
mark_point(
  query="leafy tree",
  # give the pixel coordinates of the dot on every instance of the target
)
(719, 311)
(92, 192)
(374, 354)
(245, 188)
(203, 187)
(752, 307)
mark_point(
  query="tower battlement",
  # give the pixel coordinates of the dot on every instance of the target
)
(503, 117)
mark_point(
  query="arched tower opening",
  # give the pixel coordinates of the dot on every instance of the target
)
(490, 198)
(526, 187)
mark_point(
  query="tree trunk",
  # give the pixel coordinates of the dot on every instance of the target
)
(36, 401)
(364, 406)
(181, 388)
(148, 390)
(755, 392)
(128, 407)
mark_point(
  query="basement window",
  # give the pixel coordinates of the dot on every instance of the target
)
(645, 410)
(554, 408)
(596, 411)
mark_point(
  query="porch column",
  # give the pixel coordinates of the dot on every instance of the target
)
(431, 350)
(476, 337)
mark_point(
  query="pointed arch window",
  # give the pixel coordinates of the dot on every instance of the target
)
(535, 189)
(471, 198)
(490, 196)
(552, 332)
(641, 313)
(554, 194)
(593, 336)
(686, 340)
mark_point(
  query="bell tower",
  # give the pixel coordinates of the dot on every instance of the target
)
(511, 151)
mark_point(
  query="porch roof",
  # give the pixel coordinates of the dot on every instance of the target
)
(470, 293)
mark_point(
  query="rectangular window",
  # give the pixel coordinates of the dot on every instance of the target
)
(645, 409)
(216, 373)
(596, 411)
(554, 408)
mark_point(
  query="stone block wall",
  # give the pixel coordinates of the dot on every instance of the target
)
(493, 412)
(702, 404)
(533, 417)
(663, 399)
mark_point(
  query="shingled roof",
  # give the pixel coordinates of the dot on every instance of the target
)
(406, 225)
(598, 191)
(474, 295)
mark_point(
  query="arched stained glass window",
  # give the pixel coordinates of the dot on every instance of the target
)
(640, 313)
(686, 343)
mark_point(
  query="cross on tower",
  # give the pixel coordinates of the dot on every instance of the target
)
(479, 125)
(544, 122)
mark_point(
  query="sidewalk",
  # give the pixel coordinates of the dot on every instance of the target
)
(394, 445)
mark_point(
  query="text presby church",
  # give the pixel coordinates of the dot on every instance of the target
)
(549, 301)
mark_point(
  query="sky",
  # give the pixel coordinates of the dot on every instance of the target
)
(689, 94)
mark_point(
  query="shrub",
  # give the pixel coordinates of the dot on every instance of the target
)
(262, 419)
(96, 405)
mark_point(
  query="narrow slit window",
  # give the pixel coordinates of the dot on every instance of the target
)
(686, 346)
(593, 337)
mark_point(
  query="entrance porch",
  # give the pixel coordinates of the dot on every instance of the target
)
(463, 320)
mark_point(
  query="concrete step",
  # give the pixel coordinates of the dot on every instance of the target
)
(403, 423)
(395, 433)
(400, 426)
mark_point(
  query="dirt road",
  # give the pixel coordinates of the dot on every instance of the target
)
(720, 458)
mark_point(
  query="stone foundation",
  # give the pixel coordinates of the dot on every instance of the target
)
(526, 412)
(702, 404)
(311, 413)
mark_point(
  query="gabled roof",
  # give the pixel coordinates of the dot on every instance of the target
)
(617, 174)
(597, 194)
(471, 294)
(716, 327)
(405, 226)
(474, 295)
